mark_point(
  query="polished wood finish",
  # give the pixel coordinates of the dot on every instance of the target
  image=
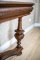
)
(16, 51)
(7, 14)
(11, 10)
(19, 33)
(15, 4)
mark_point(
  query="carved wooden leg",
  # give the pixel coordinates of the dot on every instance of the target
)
(18, 49)
(19, 35)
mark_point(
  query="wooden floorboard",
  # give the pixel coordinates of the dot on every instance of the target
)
(31, 44)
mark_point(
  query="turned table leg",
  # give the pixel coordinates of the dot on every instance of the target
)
(19, 35)
(18, 49)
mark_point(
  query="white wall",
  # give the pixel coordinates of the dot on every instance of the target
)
(7, 28)
(4, 27)
(37, 11)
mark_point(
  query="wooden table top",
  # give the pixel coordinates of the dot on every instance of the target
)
(15, 4)
(11, 10)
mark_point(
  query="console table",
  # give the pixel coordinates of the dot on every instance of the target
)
(11, 10)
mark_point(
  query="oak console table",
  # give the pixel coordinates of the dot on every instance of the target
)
(11, 10)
